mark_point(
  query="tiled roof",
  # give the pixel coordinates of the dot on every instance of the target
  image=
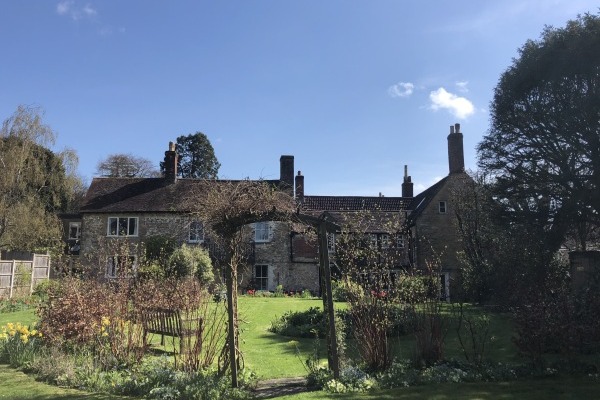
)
(354, 203)
(143, 194)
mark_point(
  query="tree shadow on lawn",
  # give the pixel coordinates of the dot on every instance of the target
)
(531, 389)
(16, 385)
(291, 345)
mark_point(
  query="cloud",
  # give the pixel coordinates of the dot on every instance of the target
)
(63, 7)
(88, 10)
(460, 107)
(66, 7)
(462, 86)
(401, 89)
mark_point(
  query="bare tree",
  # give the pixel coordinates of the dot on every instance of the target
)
(369, 252)
(126, 166)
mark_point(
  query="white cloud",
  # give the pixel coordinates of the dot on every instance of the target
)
(460, 107)
(66, 7)
(63, 7)
(401, 89)
(462, 86)
(88, 10)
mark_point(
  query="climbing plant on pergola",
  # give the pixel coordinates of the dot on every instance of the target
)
(226, 208)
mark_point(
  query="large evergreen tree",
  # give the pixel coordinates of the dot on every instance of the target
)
(543, 147)
(196, 157)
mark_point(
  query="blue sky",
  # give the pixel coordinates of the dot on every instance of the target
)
(353, 89)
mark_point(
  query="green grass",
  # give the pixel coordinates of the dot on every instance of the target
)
(26, 317)
(16, 385)
(271, 356)
(268, 354)
(531, 389)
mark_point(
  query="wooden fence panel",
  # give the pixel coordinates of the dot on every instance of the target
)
(20, 277)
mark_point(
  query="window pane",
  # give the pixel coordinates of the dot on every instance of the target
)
(196, 231)
(112, 226)
(385, 241)
(132, 226)
(122, 226)
(261, 231)
(261, 276)
(74, 230)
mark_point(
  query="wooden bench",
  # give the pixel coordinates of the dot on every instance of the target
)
(167, 322)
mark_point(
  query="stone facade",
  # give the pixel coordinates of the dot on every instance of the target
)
(282, 268)
(286, 258)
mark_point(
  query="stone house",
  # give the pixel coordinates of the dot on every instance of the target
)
(135, 209)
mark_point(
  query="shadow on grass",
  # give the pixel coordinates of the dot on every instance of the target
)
(16, 385)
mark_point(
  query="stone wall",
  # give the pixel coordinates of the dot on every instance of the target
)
(96, 245)
(277, 255)
(437, 238)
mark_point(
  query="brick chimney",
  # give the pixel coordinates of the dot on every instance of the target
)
(299, 187)
(407, 185)
(286, 173)
(171, 164)
(456, 157)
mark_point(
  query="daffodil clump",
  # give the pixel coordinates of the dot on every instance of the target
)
(18, 344)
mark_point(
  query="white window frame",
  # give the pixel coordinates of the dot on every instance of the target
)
(77, 226)
(261, 279)
(262, 232)
(442, 207)
(118, 221)
(112, 267)
(196, 232)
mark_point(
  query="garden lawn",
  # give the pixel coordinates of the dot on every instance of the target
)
(266, 353)
(26, 317)
(564, 388)
(16, 385)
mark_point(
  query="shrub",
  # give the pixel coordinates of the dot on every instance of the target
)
(344, 290)
(17, 303)
(352, 379)
(308, 324)
(191, 261)
(279, 291)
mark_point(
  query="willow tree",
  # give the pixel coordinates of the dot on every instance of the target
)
(35, 183)
(226, 209)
